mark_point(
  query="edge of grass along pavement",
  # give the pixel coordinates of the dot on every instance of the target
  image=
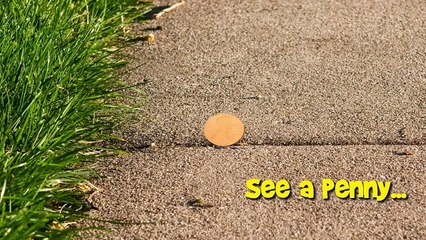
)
(58, 99)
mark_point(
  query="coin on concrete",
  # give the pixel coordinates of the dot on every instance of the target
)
(224, 129)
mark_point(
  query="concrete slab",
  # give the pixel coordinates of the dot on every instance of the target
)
(152, 188)
(296, 72)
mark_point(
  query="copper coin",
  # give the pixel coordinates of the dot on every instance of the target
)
(224, 129)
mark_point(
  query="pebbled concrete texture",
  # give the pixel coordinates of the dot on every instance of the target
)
(326, 89)
(151, 188)
(296, 72)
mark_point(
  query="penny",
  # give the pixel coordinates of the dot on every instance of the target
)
(224, 129)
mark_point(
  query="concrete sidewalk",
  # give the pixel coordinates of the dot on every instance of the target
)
(152, 188)
(345, 81)
(296, 72)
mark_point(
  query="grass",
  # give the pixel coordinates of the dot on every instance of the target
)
(57, 88)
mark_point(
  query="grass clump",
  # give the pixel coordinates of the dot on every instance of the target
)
(57, 82)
